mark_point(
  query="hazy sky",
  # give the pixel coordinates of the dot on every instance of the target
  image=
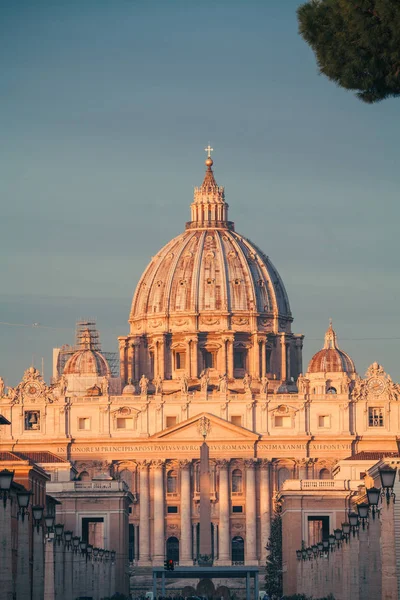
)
(105, 108)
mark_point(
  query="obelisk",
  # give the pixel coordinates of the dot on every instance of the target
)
(205, 548)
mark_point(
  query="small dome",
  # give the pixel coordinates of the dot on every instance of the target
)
(129, 389)
(86, 360)
(331, 359)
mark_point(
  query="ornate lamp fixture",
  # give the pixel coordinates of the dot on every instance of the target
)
(68, 539)
(37, 513)
(388, 476)
(373, 495)
(82, 547)
(59, 530)
(332, 541)
(314, 548)
(309, 553)
(338, 533)
(304, 554)
(89, 552)
(325, 546)
(113, 554)
(354, 522)
(95, 553)
(363, 510)
(346, 531)
(101, 553)
(23, 498)
(298, 554)
(75, 543)
(6, 479)
(320, 547)
(107, 555)
(49, 522)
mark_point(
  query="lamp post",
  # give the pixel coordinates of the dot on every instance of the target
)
(37, 553)
(68, 573)
(373, 495)
(354, 523)
(75, 566)
(59, 560)
(23, 498)
(82, 567)
(338, 533)
(388, 476)
(113, 575)
(89, 570)
(6, 479)
(346, 530)
(49, 522)
(363, 510)
(49, 589)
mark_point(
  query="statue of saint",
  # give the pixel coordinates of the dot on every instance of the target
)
(223, 383)
(105, 386)
(158, 384)
(204, 380)
(63, 384)
(247, 379)
(2, 386)
(300, 384)
(184, 380)
(264, 384)
(144, 385)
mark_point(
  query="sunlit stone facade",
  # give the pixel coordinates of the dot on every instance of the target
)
(210, 334)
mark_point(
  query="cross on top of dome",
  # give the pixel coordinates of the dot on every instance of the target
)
(209, 208)
(330, 337)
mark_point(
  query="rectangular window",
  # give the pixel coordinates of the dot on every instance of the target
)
(172, 510)
(208, 360)
(180, 360)
(236, 420)
(170, 421)
(239, 359)
(84, 423)
(268, 361)
(124, 423)
(318, 529)
(93, 531)
(375, 417)
(237, 509)
(283, 421)
(32, 420)
(324, 421)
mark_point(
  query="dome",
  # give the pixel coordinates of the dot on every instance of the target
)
(86, 360)
(331, 359)
(210, 272)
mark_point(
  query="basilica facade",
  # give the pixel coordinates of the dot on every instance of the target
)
(210, 335)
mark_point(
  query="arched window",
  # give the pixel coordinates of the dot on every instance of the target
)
(172, 481)
(283, 474)
(84, 476)
(173, 549)
(237, 481)
(324, 474)
(237, 550)
(331, 390)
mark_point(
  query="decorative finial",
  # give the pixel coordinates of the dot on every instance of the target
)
(209, 160)
(204, 427)
(330, 322)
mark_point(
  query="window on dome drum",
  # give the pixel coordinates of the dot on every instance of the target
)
(172, 482)
(324, 421)
(170, 421)
(324, 474)
(375, 417)
(84, 423)
(268, 361)
(236, 420)
(180, 360)
(32, 420)
(124, 423)
(208, 360)
(283, 421)
(318, 529)
(237, 481)
(239, 359)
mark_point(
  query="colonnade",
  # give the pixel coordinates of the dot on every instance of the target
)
(153, 539)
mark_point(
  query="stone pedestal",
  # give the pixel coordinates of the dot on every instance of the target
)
(23, 586)
(6, 551)
(37, 564)
(49, 569)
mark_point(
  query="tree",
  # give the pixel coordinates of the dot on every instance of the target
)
(356, 44)
(273, 576)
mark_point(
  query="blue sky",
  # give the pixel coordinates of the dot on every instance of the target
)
(105, 108)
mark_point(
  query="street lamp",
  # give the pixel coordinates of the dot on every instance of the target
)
(363, 510)
(68, 539)
(89, 552)
(325, 546)
(107, 554)
(388, 476)
(6, 479)
(346, 531)
(298, 554)
(95, 553)
(320, 547)
(338, 533)
(309, 553)
(23, 498)
(37, 513)
(314, 548)
(332, 540)
(82, 547)
(75, 543)
(59, 530)
(373, 495)
(113, 555)
(101, 553)
(354, 523)
(304, 554)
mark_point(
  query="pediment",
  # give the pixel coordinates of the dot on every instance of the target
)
(220, 430)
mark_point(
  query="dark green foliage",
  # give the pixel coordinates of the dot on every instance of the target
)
(304, 597)
(356, 44)
(273, 576)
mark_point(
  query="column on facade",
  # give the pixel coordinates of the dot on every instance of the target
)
(188, 358)
(23, 582)
(185, 549)
(230, 358)
(224, 356)
(283, 357)
(263, 357)
(37, 563)
(195, 357)
(136, 360)
(215, 541)
(299, 348)
(144, 513)
(255, 350)
(75, 577)
(68, 574)
(6, 551)
(251, 520)
(59, 568)
(224, 529)
(265, 506)
(159, 517)
(194, 534)
(122, 359)
(161, 357)
(130, 358)
(136, 542)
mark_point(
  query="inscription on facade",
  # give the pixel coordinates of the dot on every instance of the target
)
(154, 448)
